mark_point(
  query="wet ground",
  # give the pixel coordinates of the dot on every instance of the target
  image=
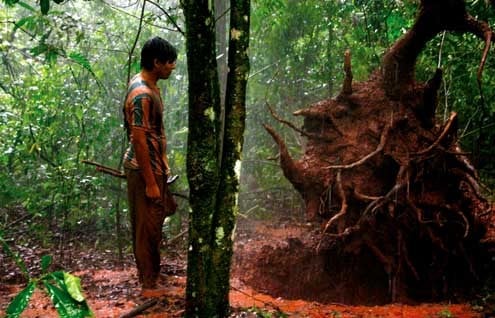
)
(112, 290)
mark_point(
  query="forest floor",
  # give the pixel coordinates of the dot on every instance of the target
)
(111, 286)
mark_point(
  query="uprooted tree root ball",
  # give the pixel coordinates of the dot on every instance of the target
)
(389, 183)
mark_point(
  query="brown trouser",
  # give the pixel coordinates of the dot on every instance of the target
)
(147, 218)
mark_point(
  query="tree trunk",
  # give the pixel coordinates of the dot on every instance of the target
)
(235, 114)
(212, 156)
(202, 155)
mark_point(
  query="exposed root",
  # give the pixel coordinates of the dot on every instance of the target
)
(290, 168)
(464, 161)
(363, 197)
(416, 196)
(466, 223)
(436, 240)
(482, 30)
(343, 208)
(291, 125)
(470, 181)
(380, 201)
(405, 256)
(446, 130)
(327, 116)
(387, 261)
(419, 213)
(379, 148)
(348, 231)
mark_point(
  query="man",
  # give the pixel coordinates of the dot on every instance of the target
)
(145, 160)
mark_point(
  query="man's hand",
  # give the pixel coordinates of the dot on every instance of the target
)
(153, 192)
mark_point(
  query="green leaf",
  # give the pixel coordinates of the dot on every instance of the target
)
(10, 2)
(81, 60)
(73, 284)
(37, 50)
(45, 6)
(46, 261)
(79, 113)
(19, 303)
(57, 276)
(26, 6)
(58, 1)
(51, 55)
(18, 260)
(24, 21)
(67, 307)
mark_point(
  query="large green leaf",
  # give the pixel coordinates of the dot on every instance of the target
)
(19, 303)
(73, 284)
(45, 6)
(67, 307)
(46, 261)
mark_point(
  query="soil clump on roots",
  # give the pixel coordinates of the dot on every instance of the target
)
(399, 209)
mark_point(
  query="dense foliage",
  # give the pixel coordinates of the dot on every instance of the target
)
(65, 67)
(63, 83)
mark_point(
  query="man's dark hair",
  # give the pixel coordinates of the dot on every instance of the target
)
(157, 48)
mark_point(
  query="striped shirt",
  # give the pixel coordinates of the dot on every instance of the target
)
(144, 110)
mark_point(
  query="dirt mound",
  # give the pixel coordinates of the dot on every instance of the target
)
(387, 179)
(281, 259)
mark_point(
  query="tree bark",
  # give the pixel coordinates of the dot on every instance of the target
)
(213, 154)
(202, 154)
(233, 140)
(400, 60)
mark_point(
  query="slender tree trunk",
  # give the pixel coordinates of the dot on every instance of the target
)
(202, 154)
(213, 154)
(235, 114)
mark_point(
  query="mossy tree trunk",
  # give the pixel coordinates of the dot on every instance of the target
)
(202, 152)
(212, 155)
(233, 139)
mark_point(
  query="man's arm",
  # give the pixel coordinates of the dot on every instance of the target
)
(144, 161)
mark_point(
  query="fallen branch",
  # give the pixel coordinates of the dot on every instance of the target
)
(139, 309)
(177, 236)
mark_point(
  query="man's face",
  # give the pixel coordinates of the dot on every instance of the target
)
(164, 69)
